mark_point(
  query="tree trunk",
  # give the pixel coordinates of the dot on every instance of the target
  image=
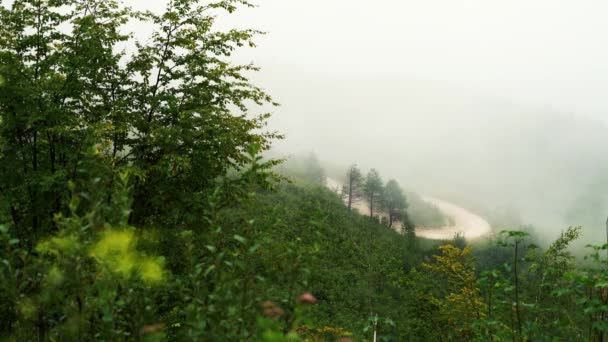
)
(517, 311)
(350, 192)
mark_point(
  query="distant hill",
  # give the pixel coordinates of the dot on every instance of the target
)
(439, 140)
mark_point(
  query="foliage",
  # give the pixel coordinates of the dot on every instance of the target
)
(166, 110)
(373, 190)
(353, 186)
(425, 214)
(356, 266)
(135, 205)
(394, 202)
(463, 304)
(111, 159)
(303, 168)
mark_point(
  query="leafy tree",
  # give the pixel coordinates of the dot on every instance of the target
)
(152, 145)
(593, 281)
(547, 272)
(423, 308)
(165, 110)
(394, 202)
(464, 304)
(354, 186)
(516, 239)
(373, 190)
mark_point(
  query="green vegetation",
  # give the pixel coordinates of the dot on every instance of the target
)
(373, 188)
(303, 169)
(353, 186)
(424, 214)
(135, 205)
(394, 202)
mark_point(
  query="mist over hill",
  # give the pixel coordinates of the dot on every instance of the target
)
(543, 167)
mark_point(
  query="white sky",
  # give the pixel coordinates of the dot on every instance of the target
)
(541, 52)
(544, 53)
(440, 92)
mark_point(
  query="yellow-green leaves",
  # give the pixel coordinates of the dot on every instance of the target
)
(58, 245)
(151, 270)
(116, 252)
(27, 308)
(463, 303)
(55, 276)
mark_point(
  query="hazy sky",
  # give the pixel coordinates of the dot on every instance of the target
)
(543, 53)
(477, 100)
(547, 53)
(437, 93)
(550, 53)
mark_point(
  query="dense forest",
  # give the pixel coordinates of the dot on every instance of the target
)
(139, 201)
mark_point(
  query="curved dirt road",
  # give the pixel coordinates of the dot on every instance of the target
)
(471, 225)
(465, 222)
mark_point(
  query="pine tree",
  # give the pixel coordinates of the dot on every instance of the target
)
(354, 186)
(373, 190)
(394, 202)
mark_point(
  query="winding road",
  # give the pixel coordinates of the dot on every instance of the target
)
(465, 222)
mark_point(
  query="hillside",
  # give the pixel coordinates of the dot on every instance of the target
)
(483, 152)
(352, 265)
(142, 199)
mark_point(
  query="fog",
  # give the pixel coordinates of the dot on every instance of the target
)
(496, 105)
(488, 155)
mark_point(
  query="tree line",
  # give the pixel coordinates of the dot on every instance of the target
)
(380, 197)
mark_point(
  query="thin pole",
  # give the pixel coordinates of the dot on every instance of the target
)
(375, 324)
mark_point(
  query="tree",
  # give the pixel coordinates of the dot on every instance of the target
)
(463, 302)
(408, 228)
(175, 111)
(547, 272)
(516, 240)
(314, 170)
(354, 184)
(394, 202)
(372, 189)
(459, 241)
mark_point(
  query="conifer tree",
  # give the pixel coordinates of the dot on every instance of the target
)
(354, 186)
(373, 190)
(394, 202)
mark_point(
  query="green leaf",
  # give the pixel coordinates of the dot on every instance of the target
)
(209, 270)
(254, 248)
(240, 239)
(601, 284)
